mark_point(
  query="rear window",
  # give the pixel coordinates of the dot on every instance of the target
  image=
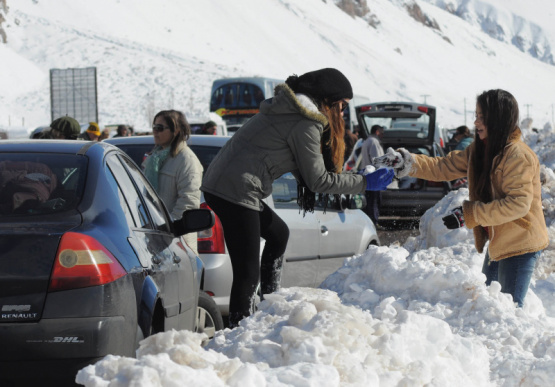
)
(137, 152)
(196, 128)
(40, 184)
(394, 127)
(205, 154)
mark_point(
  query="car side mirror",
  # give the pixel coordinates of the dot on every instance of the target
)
(194, 220)
(356, 202)
(348, 202)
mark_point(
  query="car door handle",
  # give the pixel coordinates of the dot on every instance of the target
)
(324, 230)
(176, 258)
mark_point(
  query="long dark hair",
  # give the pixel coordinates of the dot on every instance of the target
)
(332, 143)
(176, 121)
(333, 138)
(500, 117)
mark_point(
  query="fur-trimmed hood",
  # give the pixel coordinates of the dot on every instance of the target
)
(285, 99)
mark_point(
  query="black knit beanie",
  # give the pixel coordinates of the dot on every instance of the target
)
(324, 85)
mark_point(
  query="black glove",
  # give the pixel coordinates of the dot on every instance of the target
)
(455, 219)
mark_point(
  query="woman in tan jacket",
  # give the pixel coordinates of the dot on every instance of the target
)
(504, 203)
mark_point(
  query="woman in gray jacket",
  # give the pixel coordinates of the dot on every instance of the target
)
(172, 167)
(300, 130)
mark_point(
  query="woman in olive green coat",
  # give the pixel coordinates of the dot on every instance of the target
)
(300, 130)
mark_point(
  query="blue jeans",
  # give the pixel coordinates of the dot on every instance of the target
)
(512, 273)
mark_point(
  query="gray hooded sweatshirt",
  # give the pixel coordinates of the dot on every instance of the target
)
(284, 137)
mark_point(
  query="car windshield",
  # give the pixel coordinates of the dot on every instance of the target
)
(40, 184)
(284, 189)
(284, 194)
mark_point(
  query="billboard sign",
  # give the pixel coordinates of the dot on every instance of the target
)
(73, 93)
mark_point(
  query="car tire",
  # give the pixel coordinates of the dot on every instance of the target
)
(209, 318)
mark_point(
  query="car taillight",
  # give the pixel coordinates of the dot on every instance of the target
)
(211, 240)
(81, 261)
(365, 108)
(422, 109)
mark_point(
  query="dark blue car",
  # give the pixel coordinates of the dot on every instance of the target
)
(90, 260)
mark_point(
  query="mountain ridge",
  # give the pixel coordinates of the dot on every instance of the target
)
(166, 55)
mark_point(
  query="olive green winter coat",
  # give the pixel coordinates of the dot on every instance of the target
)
(284, 137)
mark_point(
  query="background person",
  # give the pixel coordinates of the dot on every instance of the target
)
(504, 205)
(463, 137)
(104, 134)
(209, 128)
(64, 128)
(123, 131)
(300, 130)
(372, 147)
(172, 167)
(91, 134)
(350, 140)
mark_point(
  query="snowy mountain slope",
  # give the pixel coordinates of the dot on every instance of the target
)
(165, 54)
(511, 22)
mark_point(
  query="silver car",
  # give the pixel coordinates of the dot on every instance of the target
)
(318, 241)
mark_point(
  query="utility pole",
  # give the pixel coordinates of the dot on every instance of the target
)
(552, 120)
(424, 95)
(527, 110)
(466, 112)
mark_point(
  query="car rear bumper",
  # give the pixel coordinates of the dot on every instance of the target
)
(44, 373)
(218, 277)
(407, 203)
(58, 348)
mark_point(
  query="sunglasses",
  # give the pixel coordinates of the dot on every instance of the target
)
(342, 105)
(159, 128)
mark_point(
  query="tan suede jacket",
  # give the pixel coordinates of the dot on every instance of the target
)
(514, 218)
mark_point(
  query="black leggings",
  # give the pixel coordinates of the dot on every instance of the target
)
(243, 229)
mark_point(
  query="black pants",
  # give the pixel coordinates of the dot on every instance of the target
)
(373, 202)
(243, 229)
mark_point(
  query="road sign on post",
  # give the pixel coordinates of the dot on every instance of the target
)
(73, 93)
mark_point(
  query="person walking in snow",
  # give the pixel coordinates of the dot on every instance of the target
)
(504, 205)
(300, 130)
(172, 167)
